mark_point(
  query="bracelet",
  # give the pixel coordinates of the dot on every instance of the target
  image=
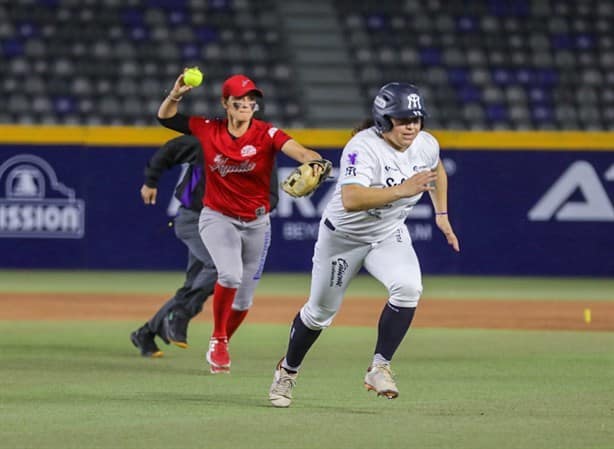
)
(175, 99)
(441, 213)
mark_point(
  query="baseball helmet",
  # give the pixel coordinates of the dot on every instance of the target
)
(396, 100)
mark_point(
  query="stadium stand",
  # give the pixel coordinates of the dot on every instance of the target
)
(481, 64)
(109, 62)
(491, 64)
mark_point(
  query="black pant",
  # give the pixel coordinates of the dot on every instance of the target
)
(201, 274)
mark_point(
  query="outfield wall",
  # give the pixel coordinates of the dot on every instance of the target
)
(530, 203)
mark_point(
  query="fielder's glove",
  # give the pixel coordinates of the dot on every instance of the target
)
(303, 180)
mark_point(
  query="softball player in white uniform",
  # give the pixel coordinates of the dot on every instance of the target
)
(384, 171)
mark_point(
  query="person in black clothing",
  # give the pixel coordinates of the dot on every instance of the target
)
(171, 321)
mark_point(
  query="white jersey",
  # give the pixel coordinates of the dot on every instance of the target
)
(370, 161)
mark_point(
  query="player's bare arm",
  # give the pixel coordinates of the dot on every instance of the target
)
(356, 197)
(168, 108)
(298, 152)
(439, 197)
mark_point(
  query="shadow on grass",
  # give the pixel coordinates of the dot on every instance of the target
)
(224, 399)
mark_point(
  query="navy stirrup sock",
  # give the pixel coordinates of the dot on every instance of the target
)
(301, 339)
(393, 324)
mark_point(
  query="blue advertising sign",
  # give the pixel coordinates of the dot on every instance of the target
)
(515, 212)
(78, 207)
(35, 203)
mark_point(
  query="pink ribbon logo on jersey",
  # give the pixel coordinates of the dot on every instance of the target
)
(248, 150)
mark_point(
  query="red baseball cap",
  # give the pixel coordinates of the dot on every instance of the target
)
(239, 85)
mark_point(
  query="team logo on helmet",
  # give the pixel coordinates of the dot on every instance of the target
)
(396, 100)
(413, 102)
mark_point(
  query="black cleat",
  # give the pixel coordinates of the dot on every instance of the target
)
(143, 339)
(175, 328)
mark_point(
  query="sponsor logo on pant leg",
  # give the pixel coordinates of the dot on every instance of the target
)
(265, 250)
(337, 271)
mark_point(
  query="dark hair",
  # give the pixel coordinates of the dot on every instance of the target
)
(366, 123)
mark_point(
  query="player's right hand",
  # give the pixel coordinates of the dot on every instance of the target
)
(149, 194)
(180, 86)
(420, 182)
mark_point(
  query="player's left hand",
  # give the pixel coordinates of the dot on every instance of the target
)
(149, 194)
(307, 177)
(444, 226)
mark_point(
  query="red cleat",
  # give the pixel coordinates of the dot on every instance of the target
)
(217, 355)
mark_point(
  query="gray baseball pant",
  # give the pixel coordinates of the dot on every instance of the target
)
(238, 249)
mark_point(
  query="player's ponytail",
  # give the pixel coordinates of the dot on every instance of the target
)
(366, 123)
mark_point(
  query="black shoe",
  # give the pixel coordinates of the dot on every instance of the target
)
(143, 339)
(175, 328)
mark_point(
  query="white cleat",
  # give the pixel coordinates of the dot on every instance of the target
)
(280, 393)
(379, 379)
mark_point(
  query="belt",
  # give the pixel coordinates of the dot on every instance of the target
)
(329, 225)
(258, 213)
(243, 219)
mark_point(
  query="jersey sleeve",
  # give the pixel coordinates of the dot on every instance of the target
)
(178, 122)
(198, 125)
(357, 165)
(433, 153)
(278, 137)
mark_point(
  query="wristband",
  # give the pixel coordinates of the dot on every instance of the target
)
(441, 213)
(175, 99)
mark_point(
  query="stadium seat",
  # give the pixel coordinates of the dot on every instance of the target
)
(491, 63)
(145, 46)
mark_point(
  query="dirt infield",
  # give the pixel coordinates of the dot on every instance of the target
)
(490, 314)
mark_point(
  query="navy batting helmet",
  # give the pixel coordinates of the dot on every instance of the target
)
(396, 100)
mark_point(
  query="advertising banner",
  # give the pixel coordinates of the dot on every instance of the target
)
(515, 213)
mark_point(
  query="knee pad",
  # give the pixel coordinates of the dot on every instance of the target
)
(405, 294)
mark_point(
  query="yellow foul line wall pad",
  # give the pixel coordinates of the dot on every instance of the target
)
(122, 136)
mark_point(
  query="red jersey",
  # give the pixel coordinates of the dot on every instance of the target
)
(238, 170)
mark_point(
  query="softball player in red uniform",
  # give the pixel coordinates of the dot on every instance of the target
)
(239, 152)
(384, 171)
(171, 321)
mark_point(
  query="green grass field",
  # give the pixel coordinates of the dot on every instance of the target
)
(81, 385)
(448, 287)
